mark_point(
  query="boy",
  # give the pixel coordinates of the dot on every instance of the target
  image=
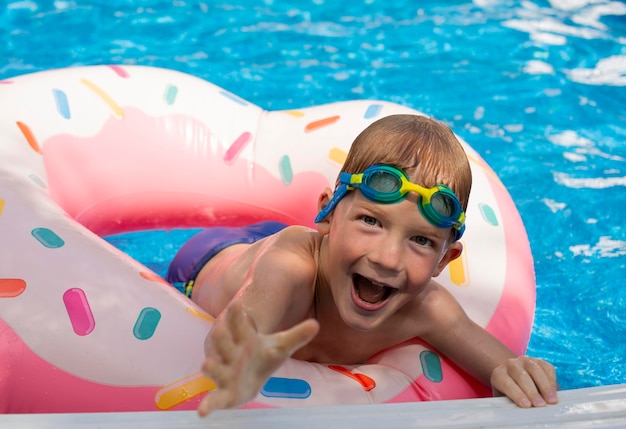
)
(361, 283)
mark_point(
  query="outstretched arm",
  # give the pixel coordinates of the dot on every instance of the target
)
(240, 360)
(527, 381)
(266, 321)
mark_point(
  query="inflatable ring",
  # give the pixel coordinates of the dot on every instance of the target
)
(90, 151)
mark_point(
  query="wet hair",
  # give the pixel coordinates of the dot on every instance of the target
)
(426, 149)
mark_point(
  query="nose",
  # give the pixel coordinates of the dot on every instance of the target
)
(387, 253)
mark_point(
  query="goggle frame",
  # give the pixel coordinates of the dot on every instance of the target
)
(361, 181)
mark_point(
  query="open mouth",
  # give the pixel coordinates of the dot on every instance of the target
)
(369, 291)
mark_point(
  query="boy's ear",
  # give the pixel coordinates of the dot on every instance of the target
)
(324, 226)
(454, 251)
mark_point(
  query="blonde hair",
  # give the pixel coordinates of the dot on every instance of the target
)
(426, 149)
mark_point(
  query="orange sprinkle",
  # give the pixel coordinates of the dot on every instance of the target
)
(152, 277)
(180, 391)
(367, 382)
(312, 126)
(30, 137)
(10, 288)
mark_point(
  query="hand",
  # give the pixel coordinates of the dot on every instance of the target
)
(527, 381)
(239, 359)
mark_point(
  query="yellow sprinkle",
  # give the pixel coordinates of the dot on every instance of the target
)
(199, 314)
(337, 155)
(458, 271)
(117, 110)
(295, 113)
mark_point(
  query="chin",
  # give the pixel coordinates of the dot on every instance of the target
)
(358, 322)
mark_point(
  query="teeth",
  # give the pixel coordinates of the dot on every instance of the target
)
(370, 291)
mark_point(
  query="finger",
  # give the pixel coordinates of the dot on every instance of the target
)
(229, 333)
(528, 386)
(218, 344)
(504, 385)
(530, 374)
(296, 337)
(215, 400)
(544, 377)
(239, 324)
(214, 369)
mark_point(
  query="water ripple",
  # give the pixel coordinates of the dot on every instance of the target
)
(608, 71)
(588, 182)
(605, 248)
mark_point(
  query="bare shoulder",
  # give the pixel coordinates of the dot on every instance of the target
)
(281, 266)
(281, 276)
(298, 238)
(289, 254)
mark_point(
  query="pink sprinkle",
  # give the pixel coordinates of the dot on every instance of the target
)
(119, 71)
(235, 149)
(79, 311)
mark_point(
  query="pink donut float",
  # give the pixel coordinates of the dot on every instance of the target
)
(91, 151)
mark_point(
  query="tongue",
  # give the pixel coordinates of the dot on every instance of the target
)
(368, 291)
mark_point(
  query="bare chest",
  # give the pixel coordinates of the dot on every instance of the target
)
(347, 347)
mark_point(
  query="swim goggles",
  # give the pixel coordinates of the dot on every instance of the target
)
(387, 185)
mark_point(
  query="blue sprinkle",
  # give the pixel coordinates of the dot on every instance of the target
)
(294, 388)
(286, 173)
(61, 101)
(373, 110)
(146, 323)
(37, 180)
(431, 366)
(488, 214)
(48, 238)
(170, 94)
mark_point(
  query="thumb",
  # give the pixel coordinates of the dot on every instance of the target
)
(296, 337)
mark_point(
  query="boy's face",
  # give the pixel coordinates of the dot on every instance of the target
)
(381, 256)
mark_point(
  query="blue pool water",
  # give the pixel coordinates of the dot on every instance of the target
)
(537, 87)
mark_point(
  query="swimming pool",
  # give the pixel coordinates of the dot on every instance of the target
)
(538, 88)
